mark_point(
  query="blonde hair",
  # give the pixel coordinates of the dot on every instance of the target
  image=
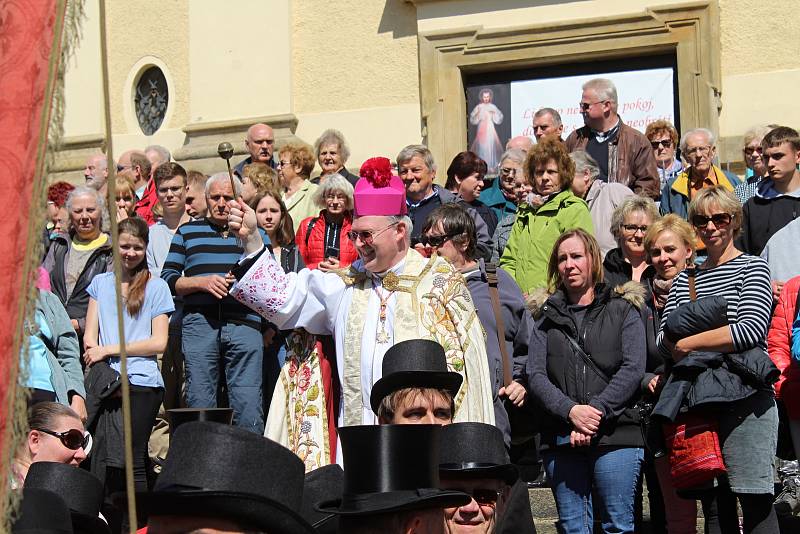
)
(670, 223)
(262, 175)
(721, 198)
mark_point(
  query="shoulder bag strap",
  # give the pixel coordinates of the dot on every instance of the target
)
(587, 360)
(491, 277)
(690, 271)
(311, 224)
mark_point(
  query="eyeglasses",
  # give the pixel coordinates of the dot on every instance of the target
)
(484, 497)
(664, 143)
(367, 236)
(720, 220)
(633, 228)
(436, 241)
(508, 171)
(699, 150)
(72, 439)
(584, 106)
(749, 151)
(281, 163)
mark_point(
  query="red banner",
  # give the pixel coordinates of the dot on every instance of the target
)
(30, 52)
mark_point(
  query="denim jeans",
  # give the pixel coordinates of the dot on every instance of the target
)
(610, 474)
(206, 344)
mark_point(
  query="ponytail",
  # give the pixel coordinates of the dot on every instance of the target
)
(136, 227)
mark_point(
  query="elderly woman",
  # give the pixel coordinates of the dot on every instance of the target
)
(629, 224)
(755, 167)
(332, 154)
(295, 163)
(322, 240)
(257, 178)
(602, 197)
(669, 243)
(663, 138)
(591, 442)
(75, 258)
(537, 227)
(698, 148)
(465, 179)
(523, 193)
(55, 434)
(501, 196)
(740, 402)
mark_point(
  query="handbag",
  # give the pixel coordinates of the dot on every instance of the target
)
(695, 455)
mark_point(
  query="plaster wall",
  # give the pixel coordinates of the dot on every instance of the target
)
(83, 90)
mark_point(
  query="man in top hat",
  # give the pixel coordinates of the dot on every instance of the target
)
(416, 388)
(390, 294)
(391, 484)
(229, 479)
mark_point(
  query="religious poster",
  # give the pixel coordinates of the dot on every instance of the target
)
(489, 122)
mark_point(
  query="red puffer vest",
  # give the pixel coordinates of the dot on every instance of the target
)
(779, 346)
(310, 241)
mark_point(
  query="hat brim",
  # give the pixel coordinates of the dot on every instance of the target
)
(394, 501)
(91, 524)
(449, 380)
(505, 472)
(251, 510)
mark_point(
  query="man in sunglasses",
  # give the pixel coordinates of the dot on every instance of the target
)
(623, 153)
(390, 294)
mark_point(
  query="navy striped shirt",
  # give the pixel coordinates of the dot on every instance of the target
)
(745, 282)
(200, 249)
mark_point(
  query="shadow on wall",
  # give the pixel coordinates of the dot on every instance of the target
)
(400, 18)
(469, 7)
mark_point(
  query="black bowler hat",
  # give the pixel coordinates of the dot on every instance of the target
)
(475, 450)
(415, 363)
(322, 484)
(222, 471)
(42, 512)
(391, 468)
(178, 416)
(81, 491)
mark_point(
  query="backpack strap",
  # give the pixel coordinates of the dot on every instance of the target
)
(491, 277)
(310, 227)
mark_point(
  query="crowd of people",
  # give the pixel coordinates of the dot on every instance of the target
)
(609, 313)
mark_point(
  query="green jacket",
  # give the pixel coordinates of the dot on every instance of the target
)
(534, 233)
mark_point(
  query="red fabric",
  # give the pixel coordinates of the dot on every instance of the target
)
(314, 253)
(779, 346)
(28, 41)
(695, 456)
(144, 208)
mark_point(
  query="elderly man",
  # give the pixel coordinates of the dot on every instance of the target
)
(392, 293)
(417, 169)
(623, 154)
(520, 142)
(602, 198)
(547, 121)
(96, 172)
(699, 150)
(663, 138)
(260, 143)
(216, 328)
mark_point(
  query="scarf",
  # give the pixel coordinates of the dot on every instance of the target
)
(661, 291)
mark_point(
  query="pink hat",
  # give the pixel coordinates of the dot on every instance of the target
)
(379, 192)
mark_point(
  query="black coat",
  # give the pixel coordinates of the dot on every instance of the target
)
(617, 271)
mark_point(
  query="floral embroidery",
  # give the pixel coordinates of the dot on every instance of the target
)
(264, 288)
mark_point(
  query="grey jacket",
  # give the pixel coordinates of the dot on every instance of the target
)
(781, 252)
(65, 366)
(518, 323)
(603, 198)
(500, 237)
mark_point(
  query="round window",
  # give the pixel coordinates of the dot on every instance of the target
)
(150, 100)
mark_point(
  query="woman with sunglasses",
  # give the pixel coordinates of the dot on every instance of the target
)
(748, 426)
(146, 304)
(55, 434)
(629, 224)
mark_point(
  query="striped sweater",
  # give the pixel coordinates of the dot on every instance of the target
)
(199, 249)
(745, 283)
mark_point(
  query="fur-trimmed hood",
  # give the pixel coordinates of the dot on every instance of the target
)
(633, 292)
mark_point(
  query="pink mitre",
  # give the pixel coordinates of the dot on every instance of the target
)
(379, 192)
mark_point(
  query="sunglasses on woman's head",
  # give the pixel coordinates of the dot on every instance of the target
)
(72, 439)
(720, 220)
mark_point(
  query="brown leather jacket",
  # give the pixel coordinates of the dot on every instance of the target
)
(630, 159)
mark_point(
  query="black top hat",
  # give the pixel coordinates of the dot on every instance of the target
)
(178, 416)
(222, 471)
(81, 491)
(415, 363)
(322, 484)
(475, 450)
(30, 518)
(391, 468)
